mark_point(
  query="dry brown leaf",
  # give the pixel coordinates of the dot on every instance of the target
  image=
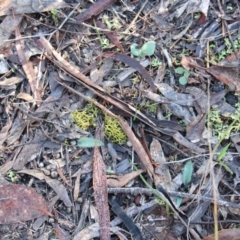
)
(20, 203)
(226, 75)
(187, 62)
(25, 96)
(10, 81)
(27, 66)
(7, 26)
(101, 194)
(94, 10)
(226, 234)
(77, 187)
(162, 175)
(61, 234)
(29, 6)
(120, 181)
(53, 183)
(196, 128)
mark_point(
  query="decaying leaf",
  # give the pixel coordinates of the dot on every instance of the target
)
(226, 234)
(179, 98)
(101, 194)
(27, 66)
(29, 6)
(162, 175)
(94, 10)
(20, 203)
(196, 128)
(7, 26)
(25, 96)
(53, 183)
(226, 75)
(10, 81)
(120, 181)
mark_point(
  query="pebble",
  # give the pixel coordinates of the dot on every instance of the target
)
(129, 144)
(231, 99)
(54, 174)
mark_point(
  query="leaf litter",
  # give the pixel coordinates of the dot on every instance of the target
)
(166, 121)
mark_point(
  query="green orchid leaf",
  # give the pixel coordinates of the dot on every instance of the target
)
(187, 173)
(148, 48)
(183, 80)
(86, 142)
(223, 152)
(135, 51)
(178, 201)
(186, 74)
(179, 70)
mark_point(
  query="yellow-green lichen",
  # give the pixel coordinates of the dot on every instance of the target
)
(87, 118)
(113, 130)
(83, 119)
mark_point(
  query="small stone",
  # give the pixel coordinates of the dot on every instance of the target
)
(129, 144)
(231, 99)
(54, 174)
(218, 87)
(41, 164)
(51, 220)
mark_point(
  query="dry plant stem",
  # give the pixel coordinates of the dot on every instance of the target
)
(138, 190)
(210, 163)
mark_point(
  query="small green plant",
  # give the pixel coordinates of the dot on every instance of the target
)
(222, 129)
(185, 74)
(187, 173)
(54, 13)
(12, 176)
(152, 108)
(228, 50)
(147, 49)
(149, 105)
(103, 41)
(197, 15)
(156, 63)
(229, 8)
(221, 155)
(111, 24)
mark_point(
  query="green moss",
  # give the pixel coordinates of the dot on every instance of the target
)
(113, 130)
(87, 118)
(83, 119)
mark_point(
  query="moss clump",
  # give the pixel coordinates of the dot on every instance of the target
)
(113, 130)
(85, 118)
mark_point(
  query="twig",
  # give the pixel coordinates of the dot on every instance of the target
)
(138, 190)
